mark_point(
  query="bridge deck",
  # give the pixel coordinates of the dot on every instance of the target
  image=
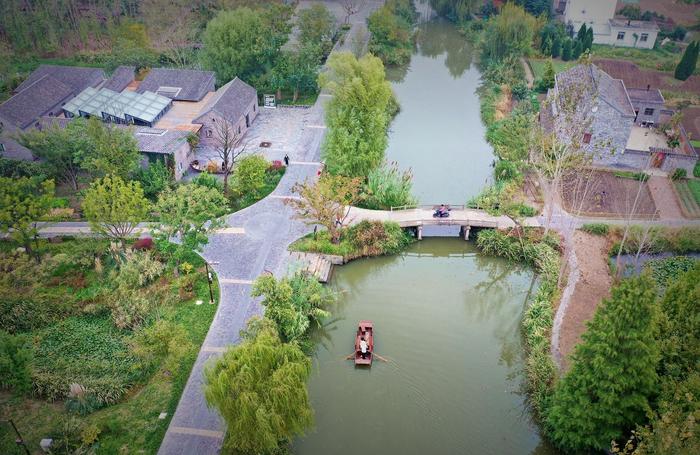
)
(424, 217)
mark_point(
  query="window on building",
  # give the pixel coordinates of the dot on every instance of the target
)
(620, 36)
(239, 129)
(2, 147)
(648, 111)
(644, 37)
(586, 138)
(208, 133)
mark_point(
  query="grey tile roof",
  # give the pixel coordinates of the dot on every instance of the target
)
(75, 77)
(14, 150)
(121, 77)
(34, 101)
(189, 85)
(651, 95)
(230, 101)
(597, 83)
(154, 140)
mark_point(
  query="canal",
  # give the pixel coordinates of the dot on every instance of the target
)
(446, 317)
(438, 133)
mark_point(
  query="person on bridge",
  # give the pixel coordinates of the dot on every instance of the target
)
(442, 211)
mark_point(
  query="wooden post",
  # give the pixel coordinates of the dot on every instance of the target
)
(420, 232)
(466, 232)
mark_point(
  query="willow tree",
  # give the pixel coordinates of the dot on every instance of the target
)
(358, 115)
(613, 375)
(509, 33)
(259, 388)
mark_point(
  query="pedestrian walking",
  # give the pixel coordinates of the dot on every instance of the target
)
(286, 159)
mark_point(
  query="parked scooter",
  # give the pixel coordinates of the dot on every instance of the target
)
(442, 212)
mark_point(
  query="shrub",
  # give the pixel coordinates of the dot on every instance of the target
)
(164, 341)
(154, 179)
(388, 187)
(596, 228)
(639, 176)
(15, 360)
(145, 243)
(506, 170)
(678, 174)
(696, 169)
(208, 180)
(249, 175)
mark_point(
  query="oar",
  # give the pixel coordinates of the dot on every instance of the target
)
(350, 356)
(380, 357)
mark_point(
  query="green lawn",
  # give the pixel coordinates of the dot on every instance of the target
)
(689, 194)
(537, 66)
(132, 424)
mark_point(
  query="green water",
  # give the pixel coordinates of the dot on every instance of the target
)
(448, 320)
(438, 132)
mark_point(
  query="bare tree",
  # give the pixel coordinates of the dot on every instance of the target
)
(351, 7)
(226, 139)
(326, 202)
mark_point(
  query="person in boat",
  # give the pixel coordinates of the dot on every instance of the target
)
(363, 347)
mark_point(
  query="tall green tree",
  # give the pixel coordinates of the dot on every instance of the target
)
(249, 175)
(259, 388)
(188, 215)
(60, 149)
(316, 27)
(111, 151)
(115, 207)
(242, 42)
(391, 29)
(567, 50)
(686, 67)
(23, 202)
(548, 76)
(613, 373)
(358, 115)
(509, 34)
(293, 303)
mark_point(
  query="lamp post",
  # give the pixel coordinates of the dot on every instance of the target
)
(19, 440)
(210, 278)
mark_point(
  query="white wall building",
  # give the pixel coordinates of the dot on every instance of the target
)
(600, 14)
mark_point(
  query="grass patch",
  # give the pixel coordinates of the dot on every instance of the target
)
(694, 186)
(639, 176)
(538, 65)
(366, 239)
(656, 59)
(688, 192)
(596, 228)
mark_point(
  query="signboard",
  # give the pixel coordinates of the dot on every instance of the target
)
(270, 101)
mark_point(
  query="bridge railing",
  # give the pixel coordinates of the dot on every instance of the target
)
(427, 207)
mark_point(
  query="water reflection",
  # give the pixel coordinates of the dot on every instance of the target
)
(438, 132)
(454, 380)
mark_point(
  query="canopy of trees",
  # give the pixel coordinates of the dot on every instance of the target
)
(613, 375)
(244, 42)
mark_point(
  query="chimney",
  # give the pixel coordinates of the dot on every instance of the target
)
(648, 87)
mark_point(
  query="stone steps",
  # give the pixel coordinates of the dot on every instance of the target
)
(318, 265)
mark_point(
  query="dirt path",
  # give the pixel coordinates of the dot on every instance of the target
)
(528, 73)
(593, 285)
(664, 198)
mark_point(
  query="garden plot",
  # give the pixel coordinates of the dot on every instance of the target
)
(602, 193)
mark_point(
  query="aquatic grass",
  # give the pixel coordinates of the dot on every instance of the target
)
(536, 325)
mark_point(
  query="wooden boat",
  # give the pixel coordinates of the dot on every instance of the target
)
(364, 330)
